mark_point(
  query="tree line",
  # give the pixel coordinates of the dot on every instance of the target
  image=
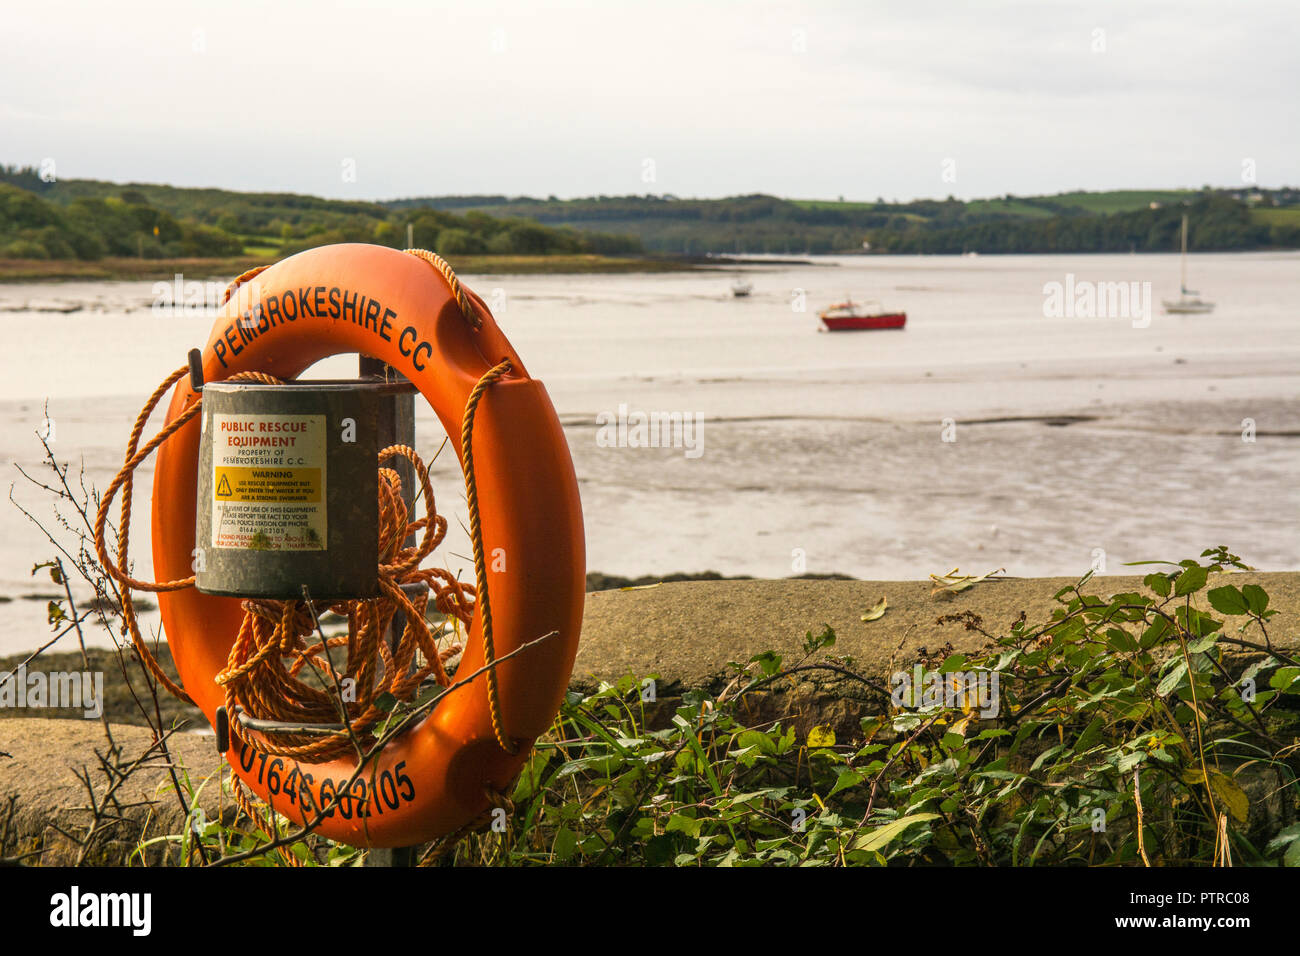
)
(88, 219)
(1216, 223)
(1220, 220)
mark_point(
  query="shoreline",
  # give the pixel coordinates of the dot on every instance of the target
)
(127, 268)
(653, 630)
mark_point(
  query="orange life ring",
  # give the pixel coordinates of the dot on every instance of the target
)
(395, 307)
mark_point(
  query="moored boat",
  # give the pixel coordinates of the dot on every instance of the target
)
(1188, 301)
(850, 316)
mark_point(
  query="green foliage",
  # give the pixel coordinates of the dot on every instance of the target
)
(1107, 699)
(1070, 222)
(86, 219)
(1218, 222)
(1108, 704)
(32, 227)
(459, 242)
(1116, 221)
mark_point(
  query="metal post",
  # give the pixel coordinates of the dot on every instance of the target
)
(392, 856)
(396, 427)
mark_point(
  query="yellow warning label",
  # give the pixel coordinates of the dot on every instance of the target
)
(268, 484)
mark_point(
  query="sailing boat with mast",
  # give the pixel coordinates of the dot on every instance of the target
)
(1187, 302)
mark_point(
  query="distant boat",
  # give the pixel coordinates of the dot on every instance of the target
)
(850, 316)
(1187, 302)
(740, 288)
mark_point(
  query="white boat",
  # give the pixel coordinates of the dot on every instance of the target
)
(1188, 301)
(741, 288)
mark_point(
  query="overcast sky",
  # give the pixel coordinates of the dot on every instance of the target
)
(821, 99)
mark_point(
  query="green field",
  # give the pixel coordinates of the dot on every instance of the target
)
(1007, 207)
(266, 246)
(837, 204)
(1123, 200)
(1289, 216)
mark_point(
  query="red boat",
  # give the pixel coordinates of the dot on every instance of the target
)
(849, 316)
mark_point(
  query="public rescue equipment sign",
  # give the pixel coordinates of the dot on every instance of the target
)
(268, 482)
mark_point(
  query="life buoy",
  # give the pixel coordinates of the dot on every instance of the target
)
(393, 306)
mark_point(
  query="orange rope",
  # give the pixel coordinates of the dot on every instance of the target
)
(257, 676)
(241, 279)
(125, 481)
(264, 670)
(476, 535)
(439, 264)
(264, 673)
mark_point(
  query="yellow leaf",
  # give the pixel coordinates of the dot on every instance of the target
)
(1233, 797)
(877, 610)
(821, 736)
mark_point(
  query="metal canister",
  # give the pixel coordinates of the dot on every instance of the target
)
(288, 488)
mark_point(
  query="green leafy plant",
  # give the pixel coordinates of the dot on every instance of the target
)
(1155, 727)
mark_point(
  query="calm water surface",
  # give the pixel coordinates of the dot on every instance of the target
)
(1073, 437)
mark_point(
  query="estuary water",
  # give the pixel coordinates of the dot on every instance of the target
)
(996, 431)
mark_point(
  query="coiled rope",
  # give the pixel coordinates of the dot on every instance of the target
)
(271, 658)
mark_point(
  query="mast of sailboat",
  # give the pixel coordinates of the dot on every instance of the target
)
(1183, 259)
